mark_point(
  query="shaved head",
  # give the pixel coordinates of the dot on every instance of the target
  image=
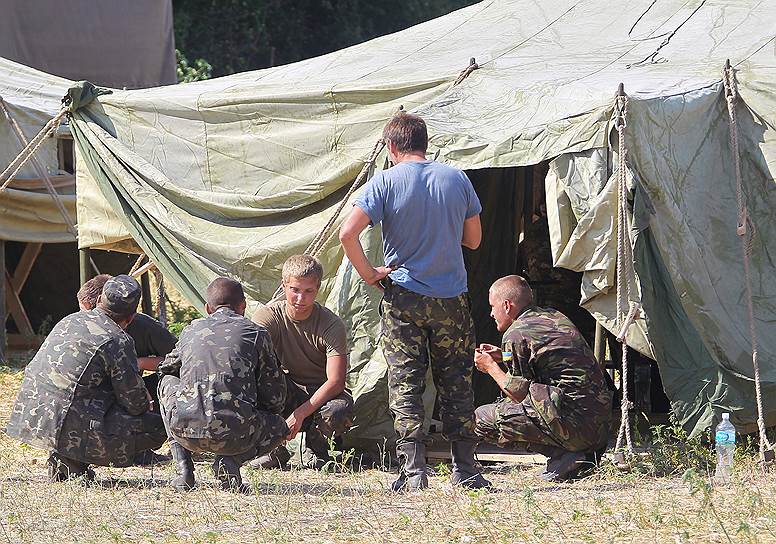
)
(513, 288)
(225, 292)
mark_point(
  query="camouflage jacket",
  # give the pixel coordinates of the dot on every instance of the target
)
(228, 373)
(554, 370)
(85, 368)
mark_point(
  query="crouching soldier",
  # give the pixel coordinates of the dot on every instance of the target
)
(557, 401)
(310, 342)
(222, 390)
(82, 397)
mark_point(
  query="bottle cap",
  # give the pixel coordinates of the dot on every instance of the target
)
(725, 415)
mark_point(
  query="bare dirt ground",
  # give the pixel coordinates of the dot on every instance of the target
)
(135, 505)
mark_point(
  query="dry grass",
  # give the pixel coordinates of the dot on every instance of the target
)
(135, 505)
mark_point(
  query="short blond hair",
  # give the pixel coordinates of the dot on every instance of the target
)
(302, 266)
(515, 289)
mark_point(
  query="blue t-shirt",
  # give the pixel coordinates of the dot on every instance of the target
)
(422, 206)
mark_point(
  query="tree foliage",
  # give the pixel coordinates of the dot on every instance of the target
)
(240, 35)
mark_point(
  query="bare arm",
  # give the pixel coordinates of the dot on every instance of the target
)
(472, 232)
(353, 226)
(336, 367)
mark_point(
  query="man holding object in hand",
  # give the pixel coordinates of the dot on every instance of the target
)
(428, 211)
(556, 399)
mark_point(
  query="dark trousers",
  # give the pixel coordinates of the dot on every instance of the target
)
(332, 419)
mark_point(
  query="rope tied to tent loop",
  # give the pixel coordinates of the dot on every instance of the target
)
(628, 311)
(12, 170)
(745, 231)
(466, 71)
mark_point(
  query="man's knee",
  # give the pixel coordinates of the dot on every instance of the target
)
(485, 421)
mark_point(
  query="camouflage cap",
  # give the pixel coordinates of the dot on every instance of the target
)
(121, 294)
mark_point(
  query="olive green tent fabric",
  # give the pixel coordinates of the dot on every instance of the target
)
(32, 98)
(231, 176)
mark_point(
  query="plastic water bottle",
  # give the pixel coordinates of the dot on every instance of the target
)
(725, 441)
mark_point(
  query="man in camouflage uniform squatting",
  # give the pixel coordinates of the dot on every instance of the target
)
(152, 343)
(82, 396)
(222, 390)
(557, 402)
(311, 344)
(428, 211)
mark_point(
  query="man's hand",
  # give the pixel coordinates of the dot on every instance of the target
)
(150, 401)
(294, 422)
(379, 273)
(493, 351)
(485, 361)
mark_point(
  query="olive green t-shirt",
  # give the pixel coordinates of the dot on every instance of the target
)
(303, 346)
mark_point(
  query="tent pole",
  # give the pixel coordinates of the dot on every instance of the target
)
(599, 347)
(2, 303)
(84, 258)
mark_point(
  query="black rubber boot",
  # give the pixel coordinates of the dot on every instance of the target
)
(563, 465)
(466, 472)
(412, 475)
(227, 470)
(63, 468)
(184, 467)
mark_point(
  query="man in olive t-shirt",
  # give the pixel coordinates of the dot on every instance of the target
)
(311, 344)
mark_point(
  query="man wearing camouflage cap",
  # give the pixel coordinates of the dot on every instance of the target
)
(556, 400)
(82, 397)
(222, 390)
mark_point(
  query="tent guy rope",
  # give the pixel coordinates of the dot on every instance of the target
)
(627, 311)
(29, 150)
(745, 231)
(327, 232)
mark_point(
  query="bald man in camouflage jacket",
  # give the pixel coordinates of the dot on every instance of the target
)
(556, 399)
(223, 391)
(82, 396)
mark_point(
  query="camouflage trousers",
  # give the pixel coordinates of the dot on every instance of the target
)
(113, 441)
(269, 431)
(511, 424)
(418, 330)
(332, 419)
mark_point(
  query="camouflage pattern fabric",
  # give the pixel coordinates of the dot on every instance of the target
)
(566, 401)
(418, 330)
(267, 432)
(82, 395)
(223, 390)
(332, 419)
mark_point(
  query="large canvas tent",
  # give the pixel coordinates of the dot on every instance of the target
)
(231, 176)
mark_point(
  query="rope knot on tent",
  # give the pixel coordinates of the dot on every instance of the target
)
(466, 71)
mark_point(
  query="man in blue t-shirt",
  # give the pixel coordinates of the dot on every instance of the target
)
(428, 211)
